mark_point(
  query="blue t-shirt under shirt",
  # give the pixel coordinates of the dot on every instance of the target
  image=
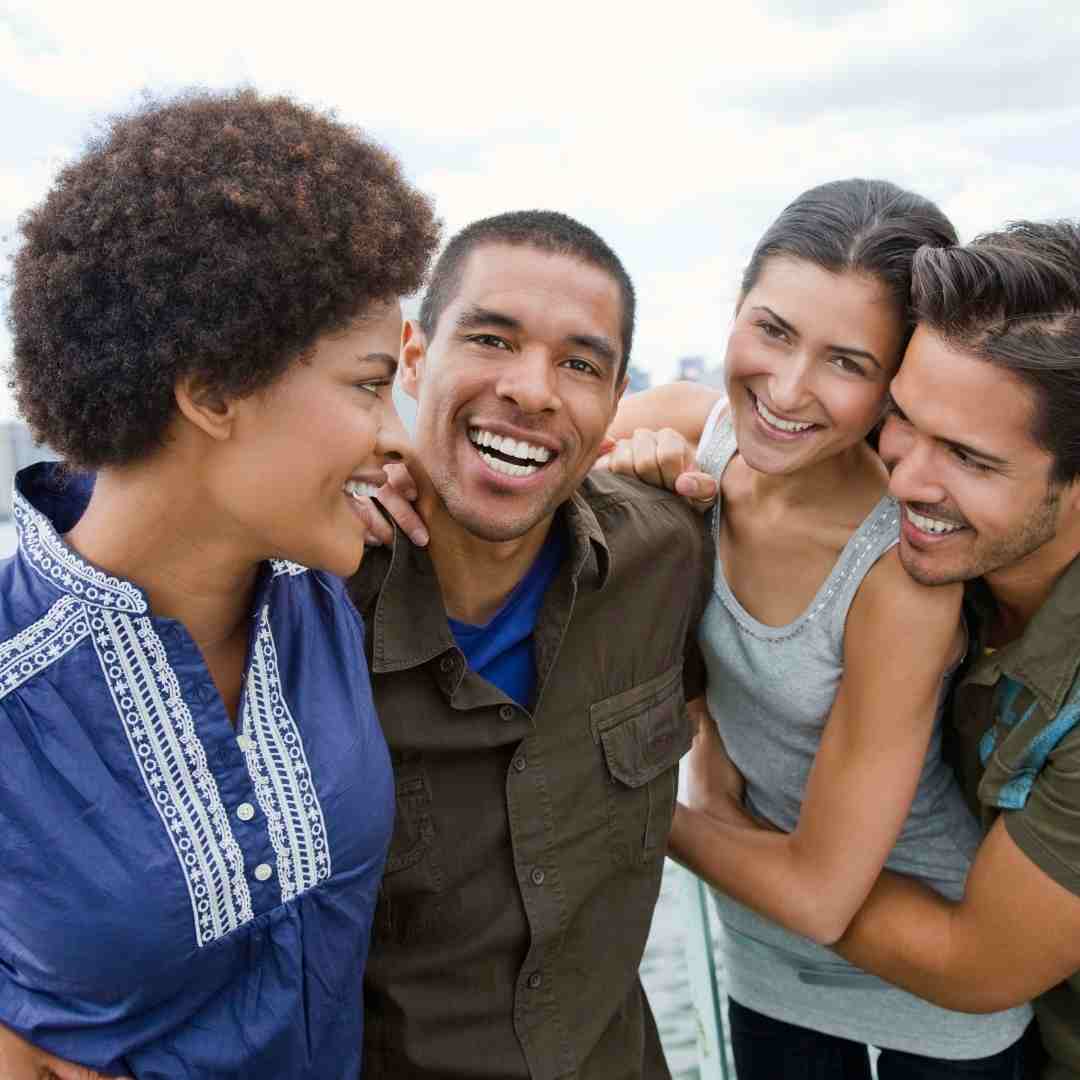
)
(501, 650)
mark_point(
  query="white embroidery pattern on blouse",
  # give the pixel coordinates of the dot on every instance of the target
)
(57, 563)
(283, 566)
(42, 643)
(161, 732)
(279, 772)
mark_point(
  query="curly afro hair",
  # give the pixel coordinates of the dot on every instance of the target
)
(213, 235)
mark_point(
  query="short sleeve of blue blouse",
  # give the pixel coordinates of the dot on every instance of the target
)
(179, 897)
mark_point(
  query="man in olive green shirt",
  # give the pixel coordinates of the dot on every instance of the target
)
(983, 443)
(535, 787)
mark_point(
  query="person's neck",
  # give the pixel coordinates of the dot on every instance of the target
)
(849, 472)
(475, 575)
(150, 525)
(1020, 590)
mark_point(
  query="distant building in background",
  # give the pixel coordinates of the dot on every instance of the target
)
(696, 369)
(640, 379)
(17, 450)
(691, 368)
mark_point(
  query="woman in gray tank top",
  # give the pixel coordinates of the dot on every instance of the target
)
(827, 662)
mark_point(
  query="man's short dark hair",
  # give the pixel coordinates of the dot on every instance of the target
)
(1013, 298)
(545, 230)
(214, 236)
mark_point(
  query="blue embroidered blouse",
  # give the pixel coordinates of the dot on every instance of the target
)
(180, 898)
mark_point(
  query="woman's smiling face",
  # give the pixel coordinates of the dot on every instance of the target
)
(808, 363)
(320, 433)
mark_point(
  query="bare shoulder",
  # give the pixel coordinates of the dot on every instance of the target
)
(890, 603)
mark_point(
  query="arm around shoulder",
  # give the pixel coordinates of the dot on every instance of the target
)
(682, 406)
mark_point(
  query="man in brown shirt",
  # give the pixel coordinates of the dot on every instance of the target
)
(530, 669)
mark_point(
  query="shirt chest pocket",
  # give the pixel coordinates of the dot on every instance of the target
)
(642, 732)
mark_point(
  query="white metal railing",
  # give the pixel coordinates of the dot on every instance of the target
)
(704, 987)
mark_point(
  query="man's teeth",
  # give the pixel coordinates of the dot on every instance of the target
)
(506, 468)
(776, 422)
(359, 490)
(929, 524)
(530, 457)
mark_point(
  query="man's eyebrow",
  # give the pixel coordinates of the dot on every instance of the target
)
(601, 346)
(964, 448)
(476, 317)
(847, 350)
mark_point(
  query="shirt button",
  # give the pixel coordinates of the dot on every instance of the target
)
(520, 763)
(447, 663)
(263, 872)
(244, 742)
(537, 876)
(245, 811)
(535, 980)
(506, 712)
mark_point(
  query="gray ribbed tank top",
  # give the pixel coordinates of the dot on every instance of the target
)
(770, 690)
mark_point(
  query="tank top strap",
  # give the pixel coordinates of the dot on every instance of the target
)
(717, 446)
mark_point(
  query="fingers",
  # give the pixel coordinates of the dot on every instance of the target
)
(698, 488)
(396, 497)
(404, 513)
(674, 456)
(66, 1070)
(400, 479)
(21, 1060)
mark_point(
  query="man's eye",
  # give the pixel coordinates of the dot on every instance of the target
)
(968, 462)
(492, 341)
(575, 363)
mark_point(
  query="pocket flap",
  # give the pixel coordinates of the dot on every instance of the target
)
(644, 731)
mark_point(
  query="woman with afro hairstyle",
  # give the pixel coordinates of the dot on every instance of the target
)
(195, 796)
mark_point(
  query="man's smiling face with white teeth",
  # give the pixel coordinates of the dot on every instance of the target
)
(517, 387)
(973, 483)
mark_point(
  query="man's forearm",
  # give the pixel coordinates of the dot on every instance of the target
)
(904, 933)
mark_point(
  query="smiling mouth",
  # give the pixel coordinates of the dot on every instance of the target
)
(931, 525)
(511, 457)
(788, 427)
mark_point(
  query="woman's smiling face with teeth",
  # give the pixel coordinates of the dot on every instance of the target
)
(808, 363)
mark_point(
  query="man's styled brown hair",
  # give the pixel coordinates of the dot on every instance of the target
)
(1012, 298)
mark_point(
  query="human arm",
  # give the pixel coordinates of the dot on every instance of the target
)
(864, 775)
(656, 435)
(1013, 935)
(682, 406)
(20, 1060)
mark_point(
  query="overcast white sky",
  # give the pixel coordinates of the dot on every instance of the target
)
(677, 133)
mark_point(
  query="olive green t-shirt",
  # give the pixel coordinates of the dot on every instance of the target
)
(1016, 715)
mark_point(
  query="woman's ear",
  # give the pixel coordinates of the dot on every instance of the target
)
(206, 407)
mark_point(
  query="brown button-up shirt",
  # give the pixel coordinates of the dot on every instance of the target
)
(529, 844)
(1016, 712)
